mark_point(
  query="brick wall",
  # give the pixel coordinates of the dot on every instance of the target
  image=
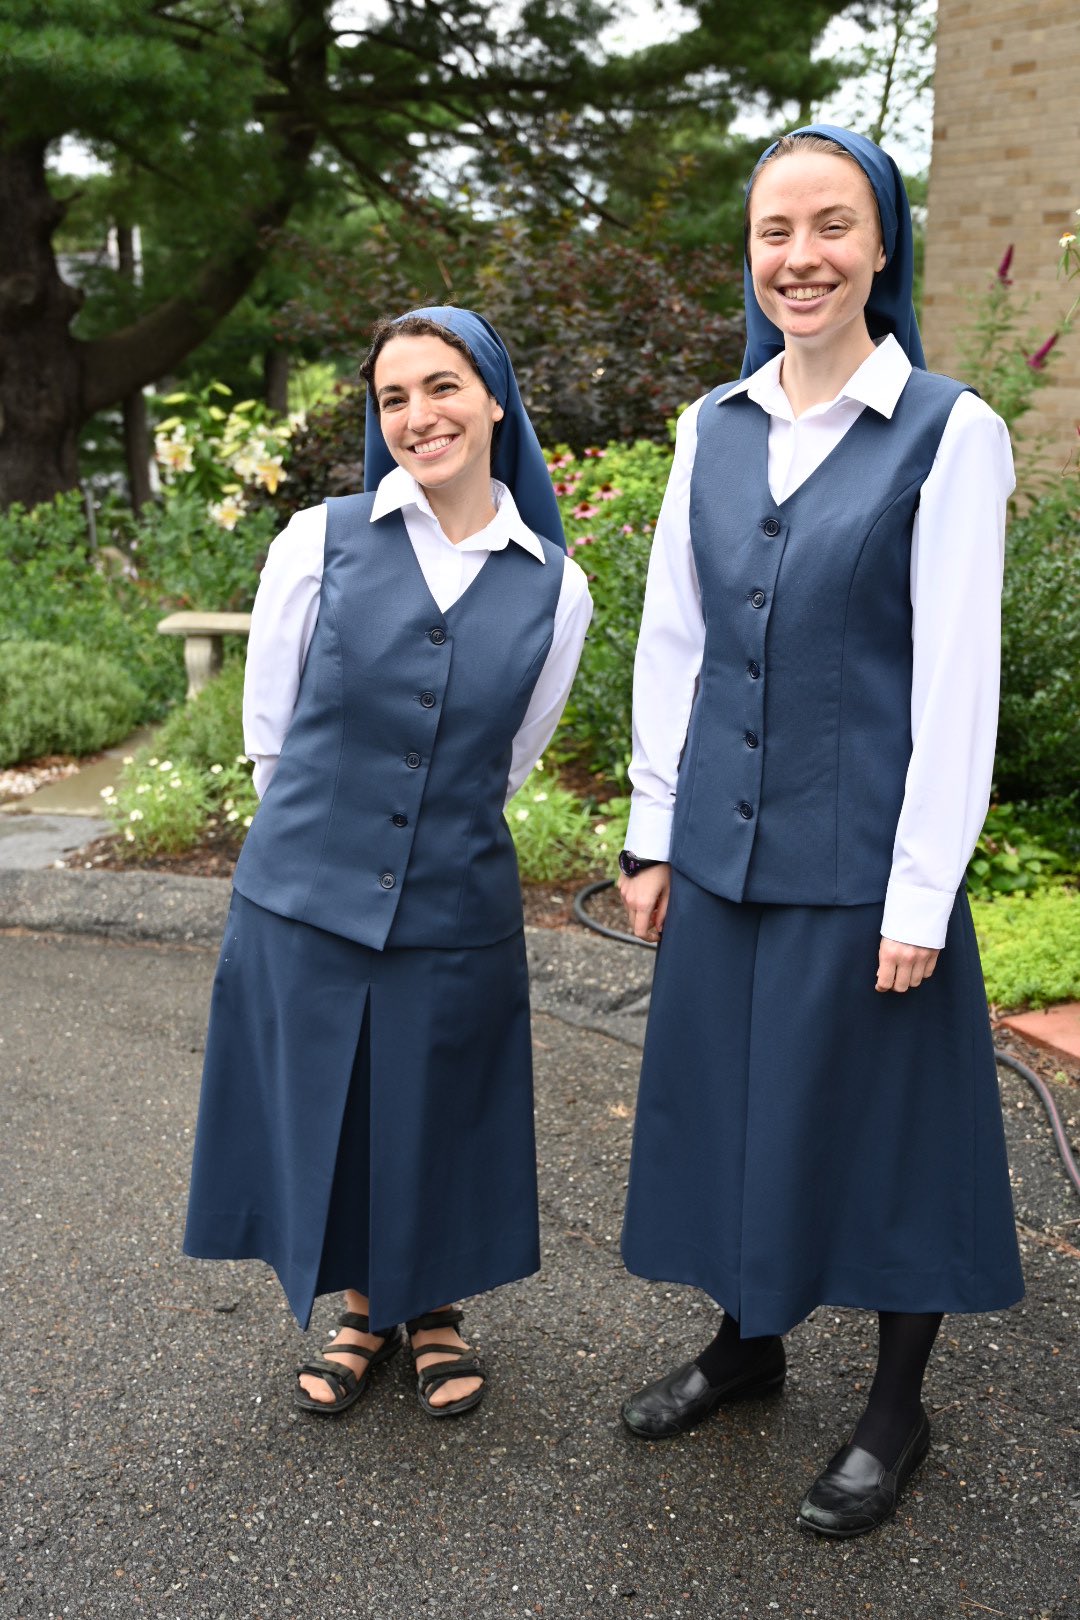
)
(1005, 167)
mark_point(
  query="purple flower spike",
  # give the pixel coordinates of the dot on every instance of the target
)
(1003, 268)
(1037, 361)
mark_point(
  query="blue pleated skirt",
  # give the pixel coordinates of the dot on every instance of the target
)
(803, 1140)
(366, 1117)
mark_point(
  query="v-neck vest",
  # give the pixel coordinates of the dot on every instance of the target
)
(383, 821)
(792, 778)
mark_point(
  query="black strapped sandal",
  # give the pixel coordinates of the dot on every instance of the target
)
(459, 1363)
(348, 1386)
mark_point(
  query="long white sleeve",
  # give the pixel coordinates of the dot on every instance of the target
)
(282, 625)
(957, 556)
(668, 659)
(572, 616)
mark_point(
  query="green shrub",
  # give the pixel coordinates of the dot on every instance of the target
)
(209, 730)
(194, 562)
(609, 500)
(1030, 948)
(160, 807)
(1039, 730)
(1009, 858)
(54, 588)
(61, 700)
(195, 778)
(557, 837)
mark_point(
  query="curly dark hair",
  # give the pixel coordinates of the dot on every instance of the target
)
(411, 326)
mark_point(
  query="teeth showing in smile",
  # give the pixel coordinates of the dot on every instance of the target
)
(431, 447)
(805, 295)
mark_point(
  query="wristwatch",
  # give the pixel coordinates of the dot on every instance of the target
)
(631, 864)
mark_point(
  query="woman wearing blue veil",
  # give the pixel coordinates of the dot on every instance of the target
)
(366, 1120)
(814, 718)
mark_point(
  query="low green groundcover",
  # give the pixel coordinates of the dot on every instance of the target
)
(1030, 947)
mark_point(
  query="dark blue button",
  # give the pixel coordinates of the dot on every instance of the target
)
(400, 821)
(751, 739)
(413, 761)
(437, 636)
(757, 598)
(387, 880)
(427, 700)
(771, 528)
(745, 810)
(753, 669)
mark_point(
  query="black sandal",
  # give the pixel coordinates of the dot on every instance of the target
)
(459, 1364)
(348, 1385)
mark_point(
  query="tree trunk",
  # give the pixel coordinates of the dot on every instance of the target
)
(276, 379)
(40, 384)
(136, 430)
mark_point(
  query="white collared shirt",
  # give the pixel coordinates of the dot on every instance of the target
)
(287, 606)
(957, 554)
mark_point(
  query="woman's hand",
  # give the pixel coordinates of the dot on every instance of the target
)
(646, 899)
(902, 967)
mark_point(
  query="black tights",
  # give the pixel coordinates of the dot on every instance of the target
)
(905, 1340)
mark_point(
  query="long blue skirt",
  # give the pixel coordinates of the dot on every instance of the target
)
(366, 1117)
(802, 1139)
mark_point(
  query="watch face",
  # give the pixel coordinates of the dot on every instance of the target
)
(628, 864)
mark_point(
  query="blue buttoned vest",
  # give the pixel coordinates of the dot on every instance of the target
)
(383, 820)
(792, 778)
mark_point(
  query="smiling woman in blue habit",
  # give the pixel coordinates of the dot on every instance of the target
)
(366, 1121)
(814, 717)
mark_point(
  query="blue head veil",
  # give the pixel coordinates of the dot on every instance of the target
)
(889, 307)
(518, 461)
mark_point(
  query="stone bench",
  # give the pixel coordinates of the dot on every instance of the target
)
(203, 634)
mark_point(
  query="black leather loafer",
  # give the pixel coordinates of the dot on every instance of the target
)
(856, 1493)
(682, 1399)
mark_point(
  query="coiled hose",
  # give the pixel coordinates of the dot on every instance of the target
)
(1041, 1090)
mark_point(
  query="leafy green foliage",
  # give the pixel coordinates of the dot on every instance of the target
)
(609, 500)
(1039, 729)
(558, 838)
(54, 588)
(1008, 858)
(195, 563)
(56, 699)
(1030, 948)
(195, 776)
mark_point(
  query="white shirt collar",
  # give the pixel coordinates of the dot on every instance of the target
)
(878, 382)
(400, 489)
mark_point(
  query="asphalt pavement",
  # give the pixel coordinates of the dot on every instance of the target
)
(152, 1463)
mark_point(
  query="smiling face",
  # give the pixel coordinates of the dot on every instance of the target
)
(815, 245)
(435, 413)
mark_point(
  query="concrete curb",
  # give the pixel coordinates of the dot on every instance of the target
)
(143, 907)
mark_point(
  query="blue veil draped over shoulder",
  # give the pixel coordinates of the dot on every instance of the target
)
(889, 307)
(518, 460)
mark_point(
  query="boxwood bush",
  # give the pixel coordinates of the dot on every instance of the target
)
(61, 699)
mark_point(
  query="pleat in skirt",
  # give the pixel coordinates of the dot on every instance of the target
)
(366, 1117)
(802, 1139)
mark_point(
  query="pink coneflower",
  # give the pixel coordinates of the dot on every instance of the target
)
(595, 454)
(1037, 361)
(559, 461)
(606, 492)
(628, 528)
(583, 510)
(1003, 268)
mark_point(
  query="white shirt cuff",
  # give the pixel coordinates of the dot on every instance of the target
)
(648, 833)
(916, 916)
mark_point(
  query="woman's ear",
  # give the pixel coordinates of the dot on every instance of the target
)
(881, 259)
(498, 413)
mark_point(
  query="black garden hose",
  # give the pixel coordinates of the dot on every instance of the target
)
(1041, 1090)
